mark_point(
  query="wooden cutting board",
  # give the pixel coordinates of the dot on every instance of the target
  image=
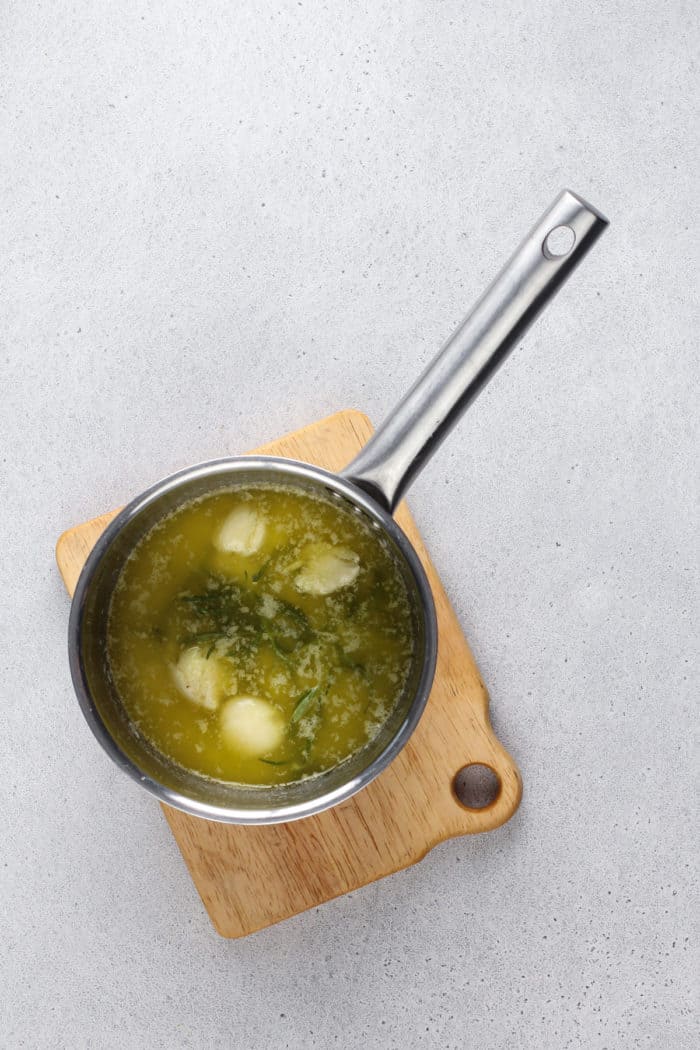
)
(251, 877)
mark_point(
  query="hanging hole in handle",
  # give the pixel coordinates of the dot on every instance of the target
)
(558, 242)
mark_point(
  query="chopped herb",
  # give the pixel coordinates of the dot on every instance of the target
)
(292, 627)
(202, 636)
(296, 614)
(272, 762)
(261, 571)
(226, 607)
(304, 703)
(221, 606)
(278, 650)
(352, 665)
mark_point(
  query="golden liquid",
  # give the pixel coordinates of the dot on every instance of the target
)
(332, 666)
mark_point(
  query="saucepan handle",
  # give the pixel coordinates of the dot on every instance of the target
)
(390, 461)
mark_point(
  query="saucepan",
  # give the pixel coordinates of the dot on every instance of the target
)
(371, 485)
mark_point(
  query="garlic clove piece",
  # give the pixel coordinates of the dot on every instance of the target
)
(242, 532)
(202, 679)
(251, 725)
(326, 569)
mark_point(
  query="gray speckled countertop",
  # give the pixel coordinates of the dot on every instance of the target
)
(222, 221)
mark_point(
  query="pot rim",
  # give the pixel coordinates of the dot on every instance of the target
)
(280, 469)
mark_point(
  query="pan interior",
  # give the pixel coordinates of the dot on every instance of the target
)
(101, 703)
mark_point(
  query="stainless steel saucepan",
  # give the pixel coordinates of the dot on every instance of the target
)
(371, 486)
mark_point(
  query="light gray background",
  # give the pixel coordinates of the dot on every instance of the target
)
(224, 220)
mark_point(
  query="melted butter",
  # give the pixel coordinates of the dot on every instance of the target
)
(330, 665)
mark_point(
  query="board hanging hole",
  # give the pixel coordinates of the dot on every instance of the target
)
(476, 786)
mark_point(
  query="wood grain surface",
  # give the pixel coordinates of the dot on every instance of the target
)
(251, 877)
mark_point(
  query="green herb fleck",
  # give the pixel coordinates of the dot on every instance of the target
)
(304, 703)
(261, 571)
(352, 665)
(277, 649)
(296, 614)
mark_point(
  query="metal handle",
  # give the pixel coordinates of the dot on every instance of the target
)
(394, 456)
